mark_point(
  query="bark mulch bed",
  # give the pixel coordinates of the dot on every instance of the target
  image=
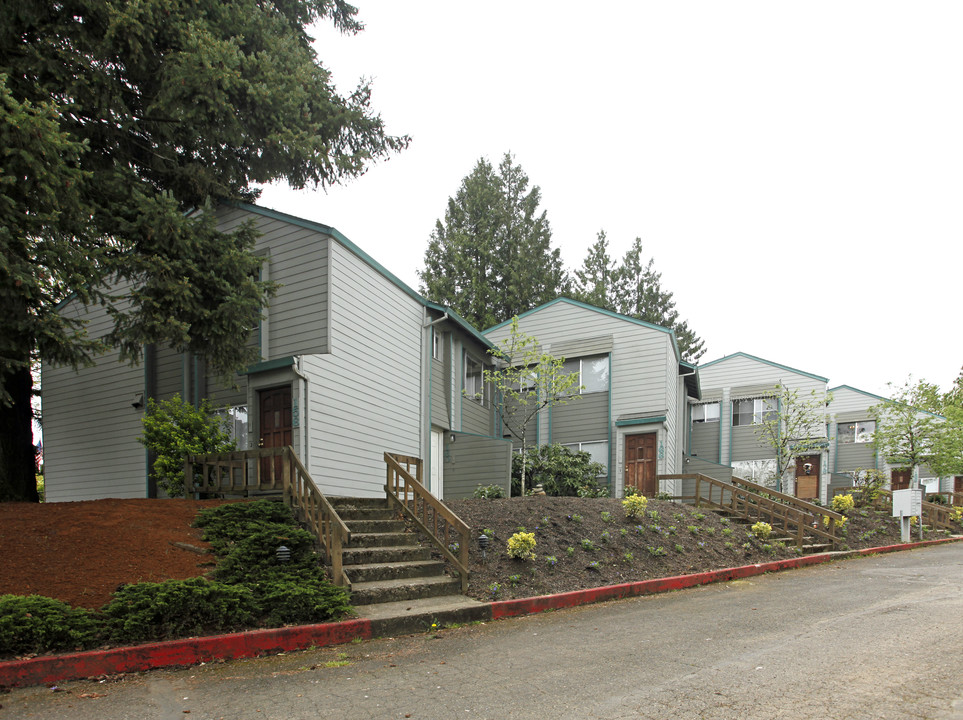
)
(681, 540)
(80, 552)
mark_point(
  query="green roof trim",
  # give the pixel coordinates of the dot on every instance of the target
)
(365, 257)
(266, 365)
(640, 421)
(602, 311)
(861, 392)
(767, 362)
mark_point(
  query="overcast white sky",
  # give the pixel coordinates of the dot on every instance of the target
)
(795, 169)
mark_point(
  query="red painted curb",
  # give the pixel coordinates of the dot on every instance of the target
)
(190, 651)
(526, 606)
(56, 668)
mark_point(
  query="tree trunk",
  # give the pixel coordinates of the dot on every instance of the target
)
(18, 464)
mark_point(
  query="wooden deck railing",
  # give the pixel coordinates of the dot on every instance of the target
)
(787, 520)
(817, 511)
(952, 498)
(936, 515)
(278, 469)
(440, 524)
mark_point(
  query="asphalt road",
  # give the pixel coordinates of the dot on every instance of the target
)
(876, 637)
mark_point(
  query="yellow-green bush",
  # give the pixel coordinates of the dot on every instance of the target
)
(521, 546)
(762, 530)
(635, 506)
(843, 504)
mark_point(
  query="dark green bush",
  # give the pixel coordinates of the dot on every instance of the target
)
(36, 624)
(559, 471)
(292, 599)
(255, 554)
(178, 608)
(226, 524)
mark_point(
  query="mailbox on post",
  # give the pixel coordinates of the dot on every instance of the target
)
(907, 504)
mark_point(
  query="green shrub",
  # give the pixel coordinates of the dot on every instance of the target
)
(174, 429)
(843, 504)
(290, 601)
(488, 492)
(254, 557)
(224, 525)
(559, 471)
(37, 624)
(178, 608)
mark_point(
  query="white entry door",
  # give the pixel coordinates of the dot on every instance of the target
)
(437, 460)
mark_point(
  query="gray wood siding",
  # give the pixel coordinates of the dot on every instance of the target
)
(365, 395)
(642, 381)
(850, 456)
(169, 373)
(746, 445)
(846, 400)
(298, 316)
(440, 388)
(471, 461)
(584, 419)
(90, 427)
(713, 470)
(705, 441)
(475, 417)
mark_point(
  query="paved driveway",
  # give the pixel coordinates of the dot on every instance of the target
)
(876, 637)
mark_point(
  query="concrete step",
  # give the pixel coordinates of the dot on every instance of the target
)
(350, 513)
(374, 503)
(397, 553)
(816, 548)
(371, 572)
(380, 539)
(374, 526)
(411, 616)
(381, 591)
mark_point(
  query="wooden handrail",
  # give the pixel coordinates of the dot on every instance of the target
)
(789, 499)
(230, 473)
(414, 500)
(791, 520)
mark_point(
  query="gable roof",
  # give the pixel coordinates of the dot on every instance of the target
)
(766, 362)
(370, 261)
(885, 399)
(601, 311)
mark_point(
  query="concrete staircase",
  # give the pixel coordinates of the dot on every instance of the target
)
(392, 575)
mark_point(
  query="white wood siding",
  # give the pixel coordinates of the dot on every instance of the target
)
(90, 427)
(364, 396)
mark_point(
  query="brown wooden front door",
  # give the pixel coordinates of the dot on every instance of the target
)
(958, 490)
(275, 425)
(807, 477)
(900, 479)
(640, 463)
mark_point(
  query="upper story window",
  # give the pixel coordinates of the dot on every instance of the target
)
(706, 413)
(753, 412)
(435, 344)
(474, 385)
(856, 432)
(593, 372)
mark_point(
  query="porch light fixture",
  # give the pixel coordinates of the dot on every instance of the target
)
(284, 554)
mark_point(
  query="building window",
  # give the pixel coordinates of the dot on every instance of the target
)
(598, 450)
(474, 380)
(435, 344)
(856, 432)
(234, 418)
(706, 413)
(593, 373)
(753, 412)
